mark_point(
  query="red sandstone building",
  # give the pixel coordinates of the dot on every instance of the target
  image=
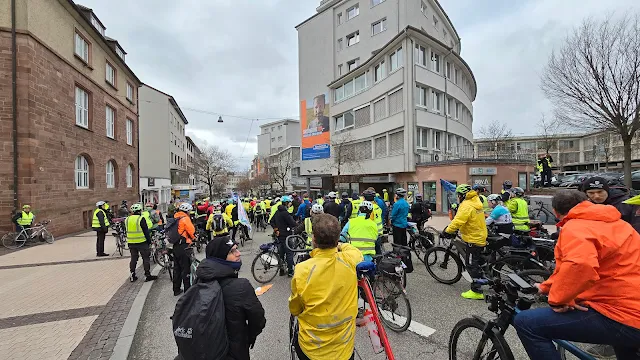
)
(75, 112)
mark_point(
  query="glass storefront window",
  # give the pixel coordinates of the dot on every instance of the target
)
(429, 193)
(448, 198)
(522, 180)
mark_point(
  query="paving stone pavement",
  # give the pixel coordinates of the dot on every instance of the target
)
(61, 302)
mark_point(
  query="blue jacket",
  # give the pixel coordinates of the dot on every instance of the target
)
(383, 206)
(399, 213)
(302, 209)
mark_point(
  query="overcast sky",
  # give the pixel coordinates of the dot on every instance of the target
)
(240, 57)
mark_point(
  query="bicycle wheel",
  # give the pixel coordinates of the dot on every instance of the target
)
(264, 264)
(392, 303)
(119, 246)
(293, 331)
(12, 241)
(47, 236)
(443, 265)
(475, 347)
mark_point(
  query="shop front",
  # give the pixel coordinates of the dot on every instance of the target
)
(378, 182)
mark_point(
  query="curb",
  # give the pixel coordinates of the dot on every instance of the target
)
(125, 339)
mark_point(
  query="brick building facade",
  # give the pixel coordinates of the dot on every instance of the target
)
(50, 141)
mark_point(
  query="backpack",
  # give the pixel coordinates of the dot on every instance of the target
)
(199, 326)
(218, 223)
(171, 231)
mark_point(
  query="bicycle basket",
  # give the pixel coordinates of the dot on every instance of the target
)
(390, 266)
(266, 247)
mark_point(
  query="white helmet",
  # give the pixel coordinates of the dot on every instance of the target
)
(317, 209)
(276, 200)
(186, 207)
(367, 205)
(332, 195)
(99, 203)
(495, 197)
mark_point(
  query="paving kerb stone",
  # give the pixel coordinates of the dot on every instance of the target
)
(125, 338)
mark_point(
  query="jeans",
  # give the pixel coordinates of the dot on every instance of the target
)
(285, 254)
(144, 251)
(400, 236)
(537, 327)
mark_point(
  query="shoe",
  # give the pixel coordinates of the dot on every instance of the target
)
(290, 274)
(176, 293)
(102, 255)
(281, 272)
(472, 295)
(150, 278)
(133, 277)
(601, 351)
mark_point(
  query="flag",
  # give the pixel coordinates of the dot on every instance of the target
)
(242, 215)
(447, 186)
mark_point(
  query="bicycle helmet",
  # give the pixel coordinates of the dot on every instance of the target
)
(368, 195)
(366, 207)
(186, 207)
(518, 191)
(507, 183)
(317, 209)
(494, 197)
(480, 188)
(285, 199)
(418, 196)
(332, 195)
(401, 192)
(26, 206)
(99, 203)
(138, 207)
(345, 195)
(276, 200)
(463, 189)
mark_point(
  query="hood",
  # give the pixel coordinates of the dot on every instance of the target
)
(587, 210)
(616, 196)
(180, 214)
(281, 208)
(473, 200)
(211, 270)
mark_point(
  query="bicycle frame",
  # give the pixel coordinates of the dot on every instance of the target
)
(364, 284)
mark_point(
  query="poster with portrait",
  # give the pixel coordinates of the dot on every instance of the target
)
(314, 122)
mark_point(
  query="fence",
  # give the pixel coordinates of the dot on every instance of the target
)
(467, 152)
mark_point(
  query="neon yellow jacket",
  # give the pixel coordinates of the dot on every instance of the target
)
(470, 221)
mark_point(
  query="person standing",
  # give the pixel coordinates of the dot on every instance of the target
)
(330, 206)
(139, 241)
(182, 260)
(346, 208)
(362, 231)
(599, 192)
(547, 163)
(123, 210)
(399, 214)
(100, 224)
(303, 209)
(284, 225)
(519, 209)
(23, 219)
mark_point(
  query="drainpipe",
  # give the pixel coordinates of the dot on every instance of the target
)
(14, 101)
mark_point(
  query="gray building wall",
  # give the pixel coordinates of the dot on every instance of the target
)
(154, 130)
(278, 135)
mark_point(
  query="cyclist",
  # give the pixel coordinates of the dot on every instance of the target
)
(304, 207)
(151, 217)
(283, 225)
(519, 209)
(267, 204)
(362, 231)
(506, 185)
(500, 216)
(419, 211)
(324, 295)
(355, 204)
(182, 260)
(593, 290)
(274, 208)
(470, 221)
(369, 195)
(307, 225)
(319, 199)
(219, 223)
(480, 189)
(346, 208)
(330, 206)
(100, 224)
(382, 205)
(24, 218)
(599, 192)
(139, 241)
(385, 195)
(258, 212)
(399, 214)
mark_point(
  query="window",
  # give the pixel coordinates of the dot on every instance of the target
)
(172, 158)
(340, 70)
(457, 113)
(82, 173)
(376, 2)
(110, 74)
(82, 108)
(339, 44)
(353, 38)
(378, 73)
(120, 52)
(279, 138)
(380, 109)
(395, 60)
(437, 99)
(351, 87)
(395, 102)
(437, 140)
(353, 12)
(129, 92)
(380, 146)
(435, 21)
(82, 48)
(456, 78)
(421, 55)
(129, 132)
(448, 105)
(96, 23)
(363, 117)
(435, 62)
(279, 127)
(378, 27)
(422, 95)
(344, 121)
(360, 83)
(339, 18)
(110, 114)
(396, 143)
(129, 176)
(111, 178)
(447, 72)
(351, 65)
(423, 138)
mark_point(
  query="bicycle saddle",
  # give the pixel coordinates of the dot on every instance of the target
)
(366, 266)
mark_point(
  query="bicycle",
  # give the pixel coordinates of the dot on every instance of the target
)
(15, 240)
(505, 301)
(120, 235)
(161, 254)
(420, 242)
(300, 246)
(267, 259)
(542, 213)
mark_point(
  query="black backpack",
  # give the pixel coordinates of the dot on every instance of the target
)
(171, 231)
(199, 326)
(218, 223)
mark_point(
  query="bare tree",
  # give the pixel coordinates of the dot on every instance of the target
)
(279, 168)
(245, 186)
(498, 134)
(213, 167)
(593, 80)
(605, 149)
(548, 129)
(344, 157)
(261, 182)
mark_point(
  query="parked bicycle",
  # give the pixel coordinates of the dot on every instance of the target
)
(542, 213)
(421, 241)
(119, 234)
(38, 231)
(267, 263)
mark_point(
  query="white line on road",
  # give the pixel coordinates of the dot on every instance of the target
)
(414, 327)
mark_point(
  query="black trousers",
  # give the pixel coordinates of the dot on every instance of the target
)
(546, 177)
(143, 250)
(473, 263)
(234, 230)
(181, 267)
(400, 236)
(100, 236)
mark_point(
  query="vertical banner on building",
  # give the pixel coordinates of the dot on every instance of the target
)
(315, 128)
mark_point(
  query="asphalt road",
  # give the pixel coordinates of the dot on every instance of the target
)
(434, 305)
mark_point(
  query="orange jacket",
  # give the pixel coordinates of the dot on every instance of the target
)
(185, 227)
(597, 264)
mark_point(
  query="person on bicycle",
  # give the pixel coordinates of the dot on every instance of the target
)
(23, 219)
(419, 211)
(139, 241)
(258, 212)
(481, 190)
(362, 231)
(324, 295)
(307, 225)
(283, 225)
(151, 216)
(100, 224)
(506, 185)
(346, 208)
(182, 260)
(470, 221)
(519, 209)
(330, 206)
(274, 208)
(370, 196)
(500, 216)
(593, 291)
(219, 223)
(123, 210)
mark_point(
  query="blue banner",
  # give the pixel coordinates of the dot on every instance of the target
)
(447, 186)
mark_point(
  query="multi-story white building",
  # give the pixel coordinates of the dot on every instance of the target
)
(386, 79)
(163, 169)
(278, 135)
(194, 168)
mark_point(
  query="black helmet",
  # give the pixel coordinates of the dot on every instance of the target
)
(345, 195)
(369, 195)
(507, 184)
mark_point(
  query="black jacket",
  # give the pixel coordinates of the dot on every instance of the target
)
(331, 208)
(417, 211)
(630, 213)
(346, 209)
(283, 221)
(296, 204)
(244, 314)
(234, 213)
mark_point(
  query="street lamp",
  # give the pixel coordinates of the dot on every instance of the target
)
(220, 119)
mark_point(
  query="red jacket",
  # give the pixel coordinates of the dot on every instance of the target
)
(597, 264)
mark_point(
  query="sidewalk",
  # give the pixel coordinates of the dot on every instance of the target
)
(61, 302)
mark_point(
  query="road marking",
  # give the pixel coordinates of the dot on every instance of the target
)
(414, 327)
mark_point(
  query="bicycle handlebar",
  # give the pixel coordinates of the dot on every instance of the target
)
(299, 241)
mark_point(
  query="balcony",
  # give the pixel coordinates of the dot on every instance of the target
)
(468, 153)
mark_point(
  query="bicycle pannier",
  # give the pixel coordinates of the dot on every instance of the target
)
(388, 266)
(171, 231)
(405, 254)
